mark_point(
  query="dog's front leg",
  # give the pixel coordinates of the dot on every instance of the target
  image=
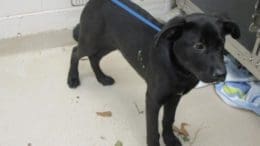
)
(168, 119)
(152, 111)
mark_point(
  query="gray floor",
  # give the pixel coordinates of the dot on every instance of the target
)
(38, 109)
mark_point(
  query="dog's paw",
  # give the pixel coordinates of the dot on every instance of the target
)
(73, 81)
(106, 80)
(171, 140)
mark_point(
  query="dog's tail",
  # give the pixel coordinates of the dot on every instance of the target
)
(76, 32)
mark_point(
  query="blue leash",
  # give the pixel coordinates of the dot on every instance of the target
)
(135, 14)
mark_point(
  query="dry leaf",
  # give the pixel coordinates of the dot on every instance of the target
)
(105, 114)
(182, 131)
(176, 129)
(119, 143)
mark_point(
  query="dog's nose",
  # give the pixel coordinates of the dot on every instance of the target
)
(219, 74)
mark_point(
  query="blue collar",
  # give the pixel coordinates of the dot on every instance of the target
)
(135, 14)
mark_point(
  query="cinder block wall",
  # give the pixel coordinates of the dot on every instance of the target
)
(24, 17)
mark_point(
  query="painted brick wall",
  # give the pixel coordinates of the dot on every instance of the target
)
(23, 17)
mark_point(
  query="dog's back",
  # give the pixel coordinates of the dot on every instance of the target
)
(105, 26)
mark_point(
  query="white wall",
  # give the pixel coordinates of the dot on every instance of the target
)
(23, 17)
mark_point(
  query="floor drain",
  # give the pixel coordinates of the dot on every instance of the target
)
(78, 2)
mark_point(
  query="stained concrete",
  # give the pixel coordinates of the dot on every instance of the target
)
(38, 109)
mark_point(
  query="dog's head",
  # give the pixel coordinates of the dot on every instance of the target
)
(197, 42)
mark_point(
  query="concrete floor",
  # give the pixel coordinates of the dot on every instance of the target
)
(38, 109)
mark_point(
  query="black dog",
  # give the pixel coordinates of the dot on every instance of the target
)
(186, 50)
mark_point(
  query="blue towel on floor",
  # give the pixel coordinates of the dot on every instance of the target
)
(241, 89)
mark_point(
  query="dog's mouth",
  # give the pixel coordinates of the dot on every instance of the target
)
(211, 79)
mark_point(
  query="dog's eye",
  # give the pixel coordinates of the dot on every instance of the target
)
(199, 46)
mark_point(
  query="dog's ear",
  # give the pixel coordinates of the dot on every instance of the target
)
(171, 30)
(230, 27)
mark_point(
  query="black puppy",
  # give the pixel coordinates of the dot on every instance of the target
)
(186, 50)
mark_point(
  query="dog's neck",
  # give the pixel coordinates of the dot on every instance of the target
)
(179, 69)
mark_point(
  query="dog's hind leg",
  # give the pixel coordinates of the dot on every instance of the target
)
(73, 76)
(168, 119)
(94, 62)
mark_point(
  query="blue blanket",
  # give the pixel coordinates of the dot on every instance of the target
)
(241, 89)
